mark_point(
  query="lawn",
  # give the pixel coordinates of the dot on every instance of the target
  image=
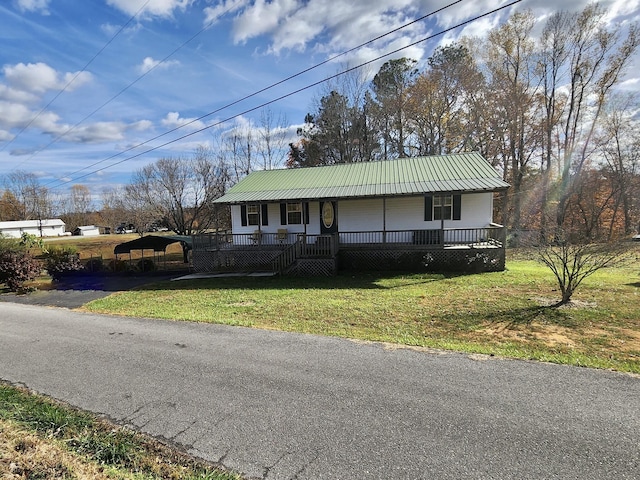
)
(504, 313)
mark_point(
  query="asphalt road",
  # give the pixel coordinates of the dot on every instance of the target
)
(286, 406)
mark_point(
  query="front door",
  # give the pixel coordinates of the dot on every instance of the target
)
(328, 217)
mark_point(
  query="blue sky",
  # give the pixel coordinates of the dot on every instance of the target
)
(58, 118)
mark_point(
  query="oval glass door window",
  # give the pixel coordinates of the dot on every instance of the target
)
(328, 215)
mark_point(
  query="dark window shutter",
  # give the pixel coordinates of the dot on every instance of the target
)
(283, 214)
(428, 208)
(265, 214)
(457, 206)
(306, 212)
(243, 215)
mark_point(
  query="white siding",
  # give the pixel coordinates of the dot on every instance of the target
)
(273, 211)
(407, 213)
(477, 210)
(376, 214)
(48, 228)
(360, 215)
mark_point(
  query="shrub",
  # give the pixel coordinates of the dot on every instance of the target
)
(18, 267)
(118, 265)
(146, 265)
(61, 262)
(94, 265)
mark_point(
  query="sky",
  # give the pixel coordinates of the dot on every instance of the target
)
(91, 91)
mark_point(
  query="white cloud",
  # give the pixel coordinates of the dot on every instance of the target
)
(149, 63)
(100, 132)
(40, 77)
(34, 6)
(110, 29)
(153, 8)
(328, 26)
(14, 115)
(20, 96)
(5, 136)
(173, 120)
(631, 85)
(142, 125)
(213, 14)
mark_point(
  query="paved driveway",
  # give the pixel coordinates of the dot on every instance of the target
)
(78, 290)
(276, 405)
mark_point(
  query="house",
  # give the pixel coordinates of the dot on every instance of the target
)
(87, 231)
(40, 228)
(409, 213)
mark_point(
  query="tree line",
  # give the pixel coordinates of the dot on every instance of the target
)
(546, 110)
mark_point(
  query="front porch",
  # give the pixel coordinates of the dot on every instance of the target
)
(284, 252)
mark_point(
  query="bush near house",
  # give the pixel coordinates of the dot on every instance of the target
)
(18, 267)
(17, 264)
(61, 262)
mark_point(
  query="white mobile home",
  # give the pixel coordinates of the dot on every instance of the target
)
(40, 228)
(385, 208)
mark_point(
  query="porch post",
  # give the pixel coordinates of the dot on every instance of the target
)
(384, 220)
(442, 222)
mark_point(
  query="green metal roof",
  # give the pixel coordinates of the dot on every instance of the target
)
(405, 176)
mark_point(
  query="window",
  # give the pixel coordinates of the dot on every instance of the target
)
(294, 213)
(442, 207)
(253, 214)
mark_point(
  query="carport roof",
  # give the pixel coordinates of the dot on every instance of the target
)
(151, 242)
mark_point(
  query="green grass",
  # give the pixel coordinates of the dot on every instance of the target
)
(499, 313)
(119, 452)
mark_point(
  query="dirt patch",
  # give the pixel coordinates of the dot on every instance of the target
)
(571, 304)
(23, 455)
(550, 335)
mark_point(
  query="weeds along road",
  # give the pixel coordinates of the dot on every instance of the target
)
(281, 406)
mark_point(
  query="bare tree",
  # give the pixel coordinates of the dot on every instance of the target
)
(113, 210)
(552, 56)
(597, 57)
(620, 146)
(571, 262)
(511, 63)
(180, 191)
(33, 200)
(234, 148)
(75, 206)
(272, 139)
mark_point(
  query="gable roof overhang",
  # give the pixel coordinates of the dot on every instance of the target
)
(391, 178)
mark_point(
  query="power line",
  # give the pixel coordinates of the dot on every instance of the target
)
(73, 127)
(262, 90)
(64, 89)
(296, 91)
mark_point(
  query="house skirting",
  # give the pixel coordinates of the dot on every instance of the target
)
(467, 260)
